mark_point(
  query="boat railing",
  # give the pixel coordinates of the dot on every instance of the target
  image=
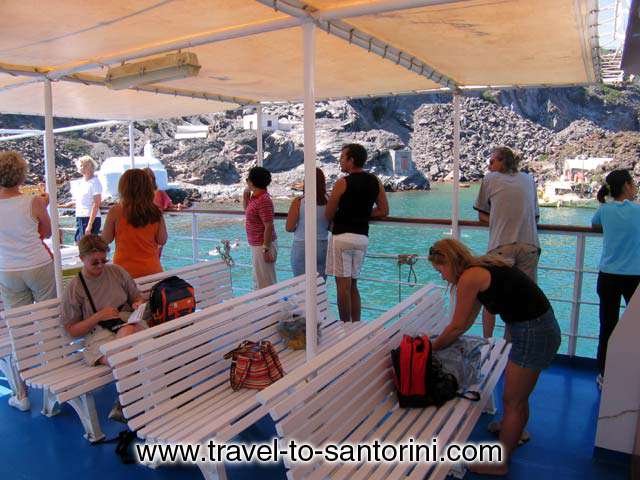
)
(578, 270)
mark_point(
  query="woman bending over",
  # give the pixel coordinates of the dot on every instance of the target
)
(488, 281)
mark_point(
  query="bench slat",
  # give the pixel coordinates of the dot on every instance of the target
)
(56, 343)
(99, 381)
(63, 351)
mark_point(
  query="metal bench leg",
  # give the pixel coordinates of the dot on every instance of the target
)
(50, 407)
(85, 407)
(213, 471)
(20, 398)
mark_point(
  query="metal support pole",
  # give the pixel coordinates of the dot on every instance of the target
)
(310, 211)
(194, 237)
(259, 141)
(455, 204)
(51, 183)
(577, 294)
(132, 146)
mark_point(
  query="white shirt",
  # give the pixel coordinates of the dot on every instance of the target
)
(20, 244)
(83, 192)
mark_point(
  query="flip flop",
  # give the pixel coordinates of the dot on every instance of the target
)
(494, 427)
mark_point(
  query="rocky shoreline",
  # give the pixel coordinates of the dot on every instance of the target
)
(544, 125)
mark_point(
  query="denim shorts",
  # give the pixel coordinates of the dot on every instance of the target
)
(535, 342)
(297, 257)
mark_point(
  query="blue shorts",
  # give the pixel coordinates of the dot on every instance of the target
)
(81, 226)
(534, 343)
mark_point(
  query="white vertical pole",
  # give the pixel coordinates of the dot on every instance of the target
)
(51, 183)
(260, 150)
(132, 146)
(577, 295)
(455, 204)
(310, 211)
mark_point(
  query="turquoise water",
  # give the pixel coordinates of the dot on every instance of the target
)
(557, 251)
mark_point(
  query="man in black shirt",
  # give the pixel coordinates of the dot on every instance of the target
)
(349, 208)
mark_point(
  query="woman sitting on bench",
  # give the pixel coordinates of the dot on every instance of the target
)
(97, 303)
(502, 289)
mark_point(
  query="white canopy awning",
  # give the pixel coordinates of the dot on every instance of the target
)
(251, 52)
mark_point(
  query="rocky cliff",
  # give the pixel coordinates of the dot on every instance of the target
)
(545, 125)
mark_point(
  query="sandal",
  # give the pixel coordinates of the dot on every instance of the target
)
(494, 427)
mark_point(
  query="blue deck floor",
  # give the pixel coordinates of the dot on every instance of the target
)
(563, 417)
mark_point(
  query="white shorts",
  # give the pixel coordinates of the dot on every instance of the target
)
(345, 254)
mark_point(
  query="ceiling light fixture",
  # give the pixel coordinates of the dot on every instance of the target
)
(169, 67)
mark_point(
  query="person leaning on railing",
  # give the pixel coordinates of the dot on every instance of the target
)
(295, 224)
(160, 197)
(535, 335)
(350, 206)
(508, 202)
(619, 270)
(26, 265)
(137, 226)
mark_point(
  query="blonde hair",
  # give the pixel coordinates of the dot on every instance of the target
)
(84, 161)
(454, 253)
(13, 169)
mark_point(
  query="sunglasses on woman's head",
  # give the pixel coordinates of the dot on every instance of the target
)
(433, 252)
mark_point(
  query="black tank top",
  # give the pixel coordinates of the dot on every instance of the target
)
(356, 204)
(513, 295)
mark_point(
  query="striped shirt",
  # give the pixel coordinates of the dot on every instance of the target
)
(259, 211)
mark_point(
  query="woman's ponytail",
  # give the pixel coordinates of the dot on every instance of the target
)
(614, 184)
(603, 192)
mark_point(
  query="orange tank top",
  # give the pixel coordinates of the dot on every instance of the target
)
(136, 248)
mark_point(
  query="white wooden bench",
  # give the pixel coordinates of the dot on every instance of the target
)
(347, 395)
(173, 381)
(19, 398)
(49, 359)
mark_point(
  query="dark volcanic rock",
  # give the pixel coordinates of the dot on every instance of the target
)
(544, 125)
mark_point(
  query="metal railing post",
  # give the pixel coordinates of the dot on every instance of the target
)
(577, 294)
(194, 237)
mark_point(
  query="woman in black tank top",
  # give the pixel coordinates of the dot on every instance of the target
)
(535, 335)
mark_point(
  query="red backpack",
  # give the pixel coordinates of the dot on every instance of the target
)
(419, 378)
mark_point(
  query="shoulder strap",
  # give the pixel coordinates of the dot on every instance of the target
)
(86, 290)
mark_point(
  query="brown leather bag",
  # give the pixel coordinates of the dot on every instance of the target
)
(254, 365)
